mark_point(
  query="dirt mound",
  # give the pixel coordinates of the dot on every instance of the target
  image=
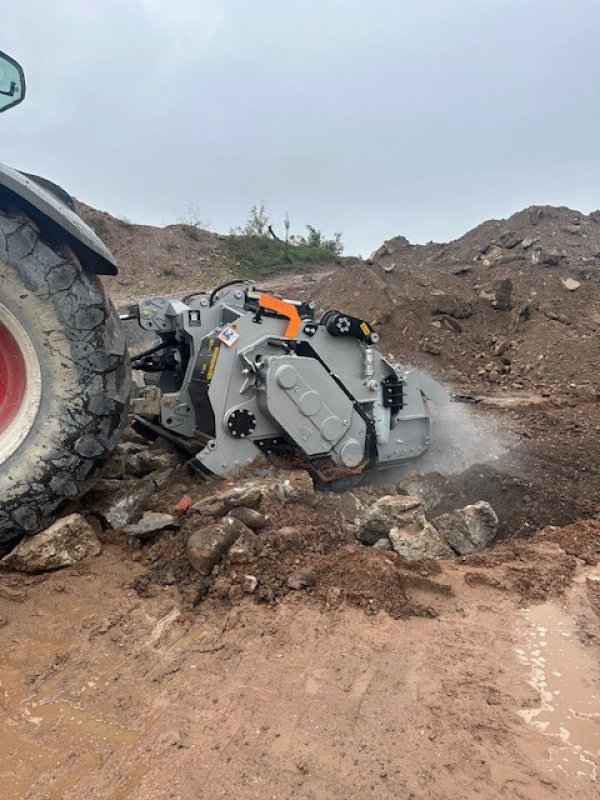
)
(513, 303)
(152, 260)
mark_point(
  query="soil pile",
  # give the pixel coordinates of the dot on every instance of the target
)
(154, 260)
(513, 303)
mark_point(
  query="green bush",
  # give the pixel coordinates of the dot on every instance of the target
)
(257, 253)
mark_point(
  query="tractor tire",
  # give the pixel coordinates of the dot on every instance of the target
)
(64, 376)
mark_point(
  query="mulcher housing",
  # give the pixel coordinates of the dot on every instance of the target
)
(247, 373)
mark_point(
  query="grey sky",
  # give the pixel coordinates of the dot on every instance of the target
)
(373, 117)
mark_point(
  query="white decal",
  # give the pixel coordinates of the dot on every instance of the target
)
(229, 336)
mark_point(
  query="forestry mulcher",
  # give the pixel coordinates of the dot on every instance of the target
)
(233, 374)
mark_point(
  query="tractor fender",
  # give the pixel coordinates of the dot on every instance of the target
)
(47, 207)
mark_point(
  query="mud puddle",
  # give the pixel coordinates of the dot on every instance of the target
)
(567, 678)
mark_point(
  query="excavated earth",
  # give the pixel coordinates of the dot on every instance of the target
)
(341, 670)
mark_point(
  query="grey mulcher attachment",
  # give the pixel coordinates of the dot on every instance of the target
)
(240, 373)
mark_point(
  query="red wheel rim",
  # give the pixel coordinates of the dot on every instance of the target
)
(13, 378)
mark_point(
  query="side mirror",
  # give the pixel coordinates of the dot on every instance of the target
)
(12, 82)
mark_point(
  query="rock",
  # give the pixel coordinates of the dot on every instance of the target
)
(119, 508)
(558, 317)
(570, 283)
(501, 346)
(249, 584)
(351, 509)
(452, 307)
(447, 322)
(502, 294)
(437, 493)
(217, 505)
(63, 544)
(151, 522)
(130, 448)
(468, 529)
(492, 254)
(462, 270)
(383, 544)
(282, 487)
(301, 580)
(520, 315)
(389, 511)
(290, 486)
(249, 516)
(509, 240)
(432, 349)
(148, 461)
(243, 550)
(545, 259)
(207, 545)
(527, 243)
(419, 539)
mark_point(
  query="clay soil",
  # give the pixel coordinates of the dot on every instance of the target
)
(130, 677)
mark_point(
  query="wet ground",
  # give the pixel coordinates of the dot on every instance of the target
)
(110, 693)
(106, 696)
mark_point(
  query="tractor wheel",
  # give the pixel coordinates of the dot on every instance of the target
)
(64, 376)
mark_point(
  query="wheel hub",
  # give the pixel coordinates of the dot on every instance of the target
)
(13, 378)
(20, 383)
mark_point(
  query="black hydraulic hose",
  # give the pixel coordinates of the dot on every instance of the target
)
(214, 293)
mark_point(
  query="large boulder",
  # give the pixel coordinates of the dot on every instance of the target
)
(388, 512)
(468, 529)
(419, 539)
(63, 544)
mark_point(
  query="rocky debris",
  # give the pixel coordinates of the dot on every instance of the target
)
(63, 544)
(419, 539)
(427, 519)
(207, 545)
(246, 495)
(468, 529)
(281, 487)
(151, 523)
(437, 493)
(388, 512)
(119, 503)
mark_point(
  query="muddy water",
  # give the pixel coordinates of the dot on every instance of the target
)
(567, 679)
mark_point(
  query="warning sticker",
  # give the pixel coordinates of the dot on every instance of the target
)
(229, 336)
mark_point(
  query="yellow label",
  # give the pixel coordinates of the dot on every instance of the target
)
(365, 328)
(212, 363)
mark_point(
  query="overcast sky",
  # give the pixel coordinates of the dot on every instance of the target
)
(370, 117)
